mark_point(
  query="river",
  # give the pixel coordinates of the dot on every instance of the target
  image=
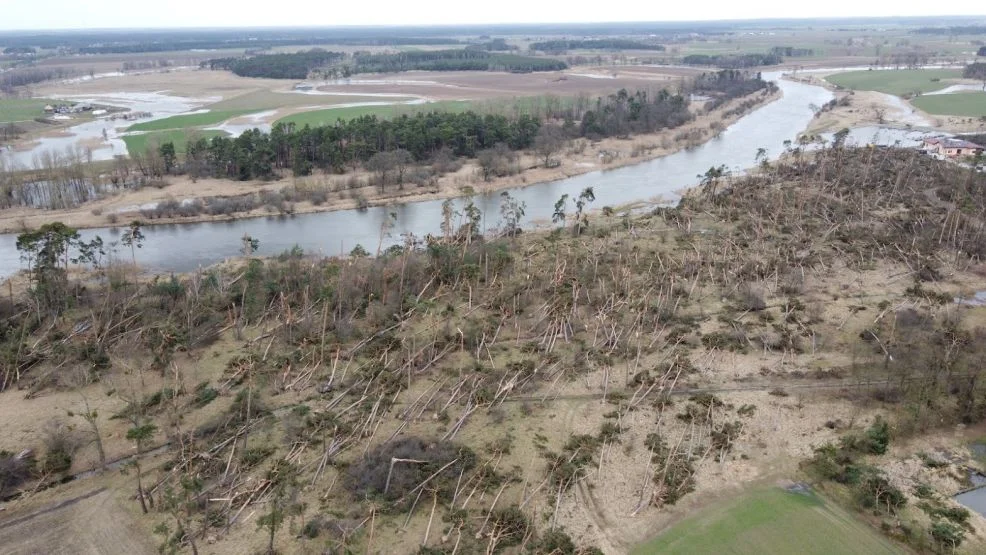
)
(185, 247)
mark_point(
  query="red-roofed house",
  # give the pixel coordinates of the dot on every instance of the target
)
(952, 148)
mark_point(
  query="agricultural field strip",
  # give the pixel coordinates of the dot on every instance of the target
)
(896, 82)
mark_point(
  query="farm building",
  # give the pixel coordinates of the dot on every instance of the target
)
(952, 148)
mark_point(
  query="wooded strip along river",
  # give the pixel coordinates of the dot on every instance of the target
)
(185, 247)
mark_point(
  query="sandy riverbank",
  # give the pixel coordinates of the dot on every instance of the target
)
(578, 158)
(866, 108)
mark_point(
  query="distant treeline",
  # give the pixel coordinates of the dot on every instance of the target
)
(258, 155)
(559, 46)
(495, 45)
(791, 52)
(30, 75)
(300, 64)
(953, 30)
(732, 61)
(141, 47)
(19, 50)
(277, 66)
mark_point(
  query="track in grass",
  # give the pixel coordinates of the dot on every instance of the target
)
(771, 521)
(897, 82)
(971, 104)
(184, 121)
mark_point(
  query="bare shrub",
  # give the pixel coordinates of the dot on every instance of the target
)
(60, 443)
(394, 469)
(750, 297)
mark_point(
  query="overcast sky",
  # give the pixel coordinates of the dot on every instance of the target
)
(80, 14)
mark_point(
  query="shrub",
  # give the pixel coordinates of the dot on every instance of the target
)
(947, 535)
(60, 446)
(510, 525)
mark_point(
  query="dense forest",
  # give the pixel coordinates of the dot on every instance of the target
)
(451, 60)
(732, 61)
(420, 137)
(560, 46)
(277, 66)
(334, 64)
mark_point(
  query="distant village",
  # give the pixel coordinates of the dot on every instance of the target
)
(65, 109)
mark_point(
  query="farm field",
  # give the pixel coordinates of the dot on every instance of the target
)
(972, 104)
(13, 110)
(771, 521)
(897, 82)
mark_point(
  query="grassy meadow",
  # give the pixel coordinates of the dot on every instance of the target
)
(329, 116)
(898, 82)
(770, 521)
(13, 110)
(140, 142)
(971, 104)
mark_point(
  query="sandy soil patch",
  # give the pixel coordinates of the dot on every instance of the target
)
(84, 519)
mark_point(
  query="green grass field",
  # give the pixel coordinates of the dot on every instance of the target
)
(21, 109)
(212, 117)
(897, 82)
(326, 116)
(972, 104)
(771, 521)
(139, 143)
(512, 106)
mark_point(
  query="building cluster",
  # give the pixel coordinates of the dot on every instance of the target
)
(952, 148)
(68, 108)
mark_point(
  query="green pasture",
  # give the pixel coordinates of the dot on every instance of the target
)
(770, 521)
(898, 82)
(971, 104)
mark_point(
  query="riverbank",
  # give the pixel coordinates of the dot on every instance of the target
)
(871, 108)
(579, 157)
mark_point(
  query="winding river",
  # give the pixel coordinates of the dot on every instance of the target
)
(184, 247)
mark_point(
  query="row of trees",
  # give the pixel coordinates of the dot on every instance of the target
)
(561, 46)
(792, 51)
(732, 61)
(20, 77)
